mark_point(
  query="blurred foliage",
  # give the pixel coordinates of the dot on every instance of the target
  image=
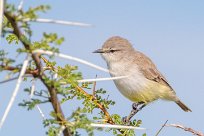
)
(68, 89)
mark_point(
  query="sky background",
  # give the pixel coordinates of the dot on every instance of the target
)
(171, 33)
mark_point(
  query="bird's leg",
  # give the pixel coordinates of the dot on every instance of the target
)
(134, 110)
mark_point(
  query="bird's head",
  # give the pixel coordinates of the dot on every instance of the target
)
(114, 49)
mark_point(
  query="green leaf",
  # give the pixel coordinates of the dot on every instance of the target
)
(12, 38)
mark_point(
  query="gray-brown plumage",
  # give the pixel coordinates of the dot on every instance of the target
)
(150, 71)
(145, 83)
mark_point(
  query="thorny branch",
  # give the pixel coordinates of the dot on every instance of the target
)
(100, 106)
(194, 132)
(108, 118)
(35, 73)
(39, 73)
(91, 97)
(53, 92)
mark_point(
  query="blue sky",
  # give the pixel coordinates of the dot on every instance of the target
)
(169, 32)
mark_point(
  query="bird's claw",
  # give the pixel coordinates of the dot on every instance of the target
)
(126, 120)
(135, 106)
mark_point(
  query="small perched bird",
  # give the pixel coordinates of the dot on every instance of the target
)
(144, 83)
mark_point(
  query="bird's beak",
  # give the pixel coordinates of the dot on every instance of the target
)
(99, 51)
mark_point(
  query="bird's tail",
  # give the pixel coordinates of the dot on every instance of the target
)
(183, 106)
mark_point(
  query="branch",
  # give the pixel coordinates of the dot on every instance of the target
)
(161, 128)
(94, 89)
(53, 92)
(92, 98)
(99, 105)
(28, 71)
(14, 78)
(43, 20)
(194, 132)
(108, 118)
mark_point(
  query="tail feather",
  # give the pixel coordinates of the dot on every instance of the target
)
(183, 106)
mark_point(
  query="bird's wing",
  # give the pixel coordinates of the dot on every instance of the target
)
(149, 70)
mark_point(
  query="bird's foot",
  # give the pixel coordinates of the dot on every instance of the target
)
(126, 120)
(136, 107)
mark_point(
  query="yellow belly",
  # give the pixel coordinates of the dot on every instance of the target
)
(154, 91)
(149, 92)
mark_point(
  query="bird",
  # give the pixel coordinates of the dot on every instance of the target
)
(144, 82)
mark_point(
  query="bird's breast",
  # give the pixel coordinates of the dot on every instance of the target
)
(136, 86)
(133, 85)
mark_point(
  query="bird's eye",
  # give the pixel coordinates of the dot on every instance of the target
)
(112, 51)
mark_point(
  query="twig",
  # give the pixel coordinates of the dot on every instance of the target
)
(11, 79)
(47, 63)
(94, 88)
(194, 132)
(99, 105)
(70, 23)
(1, 15)
(161, 128)
(28, 71)
(39, 94)
(70, 58)
(22, 72)
(8, 80)
(50, 67)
